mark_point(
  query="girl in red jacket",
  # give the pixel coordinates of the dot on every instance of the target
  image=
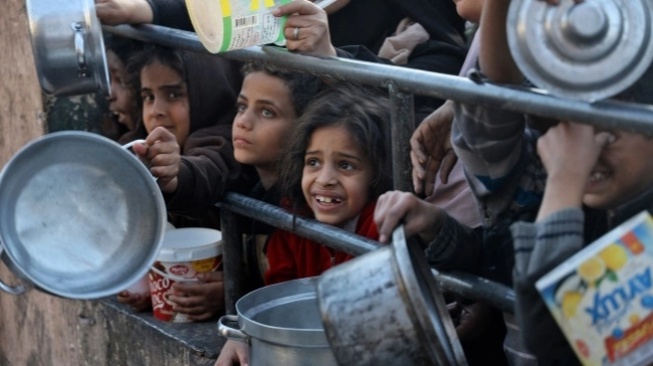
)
(336, 167)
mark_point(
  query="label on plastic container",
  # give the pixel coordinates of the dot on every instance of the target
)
(224, 25)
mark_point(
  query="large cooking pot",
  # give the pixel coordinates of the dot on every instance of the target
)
(80, 216)
(385, 308)
(68, 47)
(282, 325)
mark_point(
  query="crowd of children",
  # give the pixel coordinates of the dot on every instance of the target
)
(496, 193)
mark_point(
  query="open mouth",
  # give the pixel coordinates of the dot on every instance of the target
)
(597, 177)
(327, 200)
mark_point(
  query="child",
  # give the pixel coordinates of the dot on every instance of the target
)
(335, 168)
(577, 165)
(123, 105)
(186, 100)
(269, 104)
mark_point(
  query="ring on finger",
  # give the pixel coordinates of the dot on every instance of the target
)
(295, 34)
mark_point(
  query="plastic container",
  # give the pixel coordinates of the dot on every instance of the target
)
(223, 25)
(185, 253)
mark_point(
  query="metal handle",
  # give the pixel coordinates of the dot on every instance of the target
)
(18, 290)
(129, 145)
(78, 29)
(229, 332)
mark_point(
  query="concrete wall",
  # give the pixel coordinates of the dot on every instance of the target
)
(39, 329)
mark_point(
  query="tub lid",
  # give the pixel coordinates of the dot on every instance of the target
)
(188, 244)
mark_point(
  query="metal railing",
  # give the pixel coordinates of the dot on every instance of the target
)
(401, 84)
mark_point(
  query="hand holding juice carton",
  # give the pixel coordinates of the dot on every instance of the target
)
(602, 297)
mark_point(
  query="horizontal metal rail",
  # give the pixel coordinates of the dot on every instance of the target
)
(466, 285)
(607, 114)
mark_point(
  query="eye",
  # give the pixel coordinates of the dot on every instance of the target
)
(346, 165)
(241, 107)
(312, 162)
(267, 113)
(147, 97)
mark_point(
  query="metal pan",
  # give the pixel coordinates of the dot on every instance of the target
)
(68, 47)
(385, 308)
(80, 216)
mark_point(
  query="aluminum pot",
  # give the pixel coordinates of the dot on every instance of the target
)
(385, 308)
(589, 50)
(282, 325)
(80, 216)
(68, 47)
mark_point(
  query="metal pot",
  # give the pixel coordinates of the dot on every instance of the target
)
(385, 308)
(68, 47)
(80, 216)
(589, 51)
(282, 325)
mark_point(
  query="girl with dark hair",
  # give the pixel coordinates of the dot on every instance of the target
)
(336, 167)
(188, 105)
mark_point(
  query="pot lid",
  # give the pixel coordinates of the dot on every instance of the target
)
(589, 51)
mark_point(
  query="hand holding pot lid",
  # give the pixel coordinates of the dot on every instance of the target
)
(587, 50)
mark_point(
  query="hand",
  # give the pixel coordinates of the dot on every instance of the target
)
(311, 21)
(199, 300)
(569, 152)
(161, 150)
(431, 149)
(113, 12)
(138, 302)
(419, 217)
(233, 353)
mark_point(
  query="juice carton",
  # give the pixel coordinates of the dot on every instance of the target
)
(602, 297)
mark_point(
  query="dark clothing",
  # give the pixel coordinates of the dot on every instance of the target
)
(208, 167)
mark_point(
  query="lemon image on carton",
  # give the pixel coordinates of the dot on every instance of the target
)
(614, 256)
(592, 269)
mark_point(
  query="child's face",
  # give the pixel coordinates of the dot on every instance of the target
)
(165, 101)
(623, 171)
(469, 9)
(121, 102)
(337, 176)
(265, 117)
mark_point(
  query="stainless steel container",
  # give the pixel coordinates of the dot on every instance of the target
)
(385, 308)
(588, 51)
(282, 325)
(68, 47)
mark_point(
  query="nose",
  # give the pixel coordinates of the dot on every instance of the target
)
(327, 176)
(157, 108)
(243, 120)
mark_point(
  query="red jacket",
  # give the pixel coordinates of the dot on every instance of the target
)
(291, 257)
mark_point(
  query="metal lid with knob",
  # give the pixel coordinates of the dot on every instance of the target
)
(590, 50)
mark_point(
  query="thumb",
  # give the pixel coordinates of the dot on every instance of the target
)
(140, 149)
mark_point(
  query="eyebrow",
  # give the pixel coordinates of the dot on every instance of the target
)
(170, 87)
(339, 154)
(261, 101)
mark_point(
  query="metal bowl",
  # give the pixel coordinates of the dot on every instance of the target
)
(80, 217)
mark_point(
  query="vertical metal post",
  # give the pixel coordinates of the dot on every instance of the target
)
(402, 127)
(232, 260)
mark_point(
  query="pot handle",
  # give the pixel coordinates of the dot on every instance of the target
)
(18, 290)
(229, 332)
(129, 145)
(80, 51)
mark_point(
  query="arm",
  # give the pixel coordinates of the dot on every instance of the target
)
(169, 13)
(569, 152)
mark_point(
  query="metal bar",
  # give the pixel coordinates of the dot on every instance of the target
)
(331, 236)
(231, 259)
(481, 289)
(607, 114)
(469, 286)
(401, 128)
